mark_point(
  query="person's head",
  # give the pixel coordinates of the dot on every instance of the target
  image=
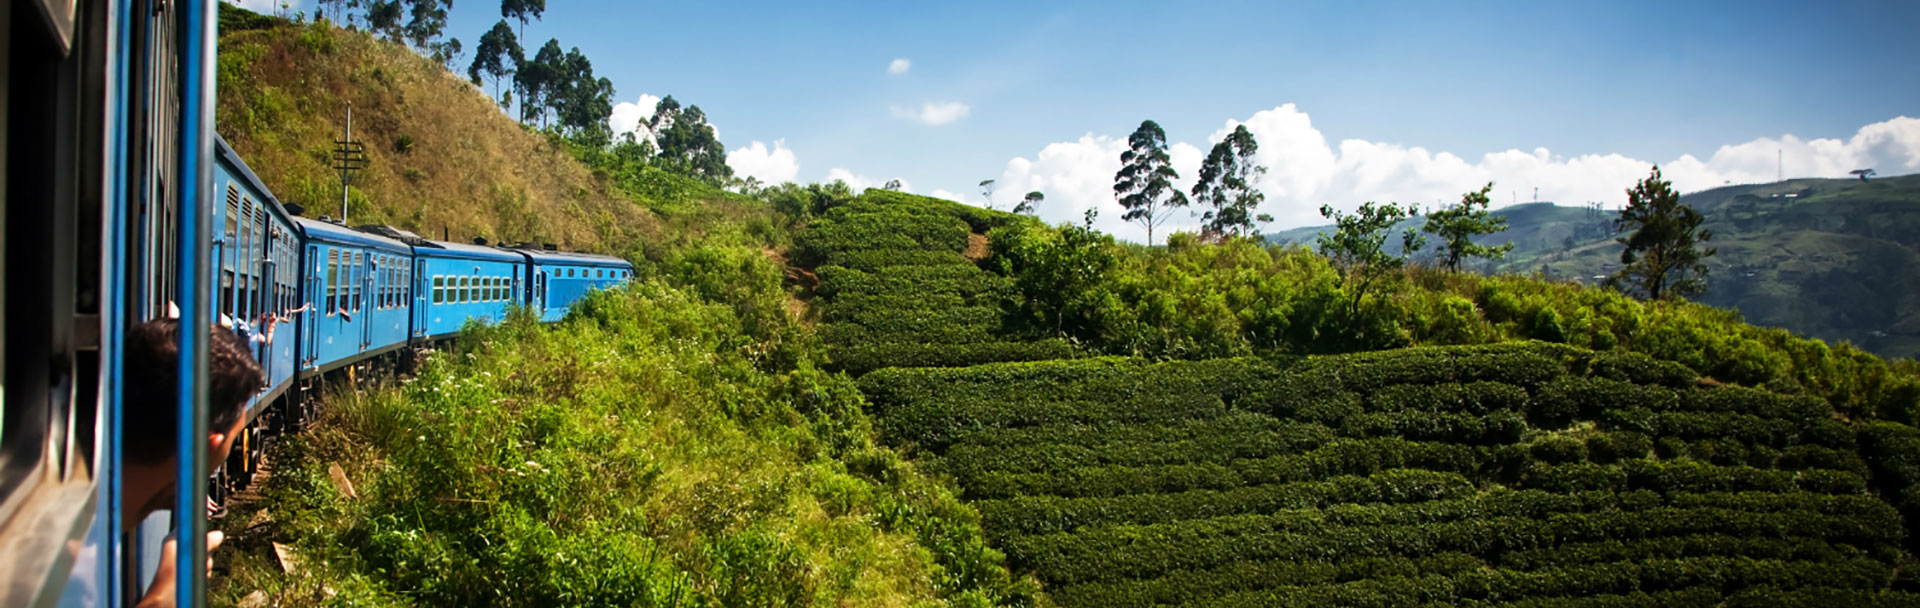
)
(151, 414)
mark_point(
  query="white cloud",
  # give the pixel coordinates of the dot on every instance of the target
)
(1305, 170)
(628, 116)
(899, 66)
(770, 166)
(934, 113)
(938, 193)
(861, 182)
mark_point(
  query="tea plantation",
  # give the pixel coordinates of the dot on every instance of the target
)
(1522, 474)
(896, 289)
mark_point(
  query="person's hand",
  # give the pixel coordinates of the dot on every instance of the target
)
(160, 593)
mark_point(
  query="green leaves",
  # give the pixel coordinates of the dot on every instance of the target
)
(1458, 225)
(1144, 183)
(1229, 185)
(1662, 259)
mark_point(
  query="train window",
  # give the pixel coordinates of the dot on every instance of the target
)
(439, 289)
(499, 289)
(359, 281)
(333, 281)
(466, 289)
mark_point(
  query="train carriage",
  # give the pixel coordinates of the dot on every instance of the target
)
(356, 288)
(119, 204)
(557, 279)
(461, 282)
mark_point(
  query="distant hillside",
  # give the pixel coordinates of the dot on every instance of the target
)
(442, 158)
(1835, 259)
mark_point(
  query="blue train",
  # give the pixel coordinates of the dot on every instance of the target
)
(120, 204)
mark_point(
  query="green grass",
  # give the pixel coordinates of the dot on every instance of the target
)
(635, 454)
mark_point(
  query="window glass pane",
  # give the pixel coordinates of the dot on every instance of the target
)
(439, 290)
(333, 280)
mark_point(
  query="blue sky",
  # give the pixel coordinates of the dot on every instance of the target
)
(1433, 95)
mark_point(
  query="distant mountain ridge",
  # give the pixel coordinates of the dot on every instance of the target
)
(1835, 259)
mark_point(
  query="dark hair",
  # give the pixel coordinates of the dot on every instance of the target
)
(150, 406)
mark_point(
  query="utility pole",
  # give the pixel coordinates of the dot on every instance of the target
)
(348, 156)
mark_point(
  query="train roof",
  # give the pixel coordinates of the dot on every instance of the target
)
(543, 256)
(334, 233)
(226, 153)
(443, 249)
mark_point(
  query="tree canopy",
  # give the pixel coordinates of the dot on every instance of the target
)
(1357, 246)
(1663, 259)
(1457, 225)
(687, 143)
(1226, 185)
(1144, 183)
(498, 56)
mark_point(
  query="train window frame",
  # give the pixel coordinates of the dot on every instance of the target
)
(333, 281)
(359, 281)
(439, 289)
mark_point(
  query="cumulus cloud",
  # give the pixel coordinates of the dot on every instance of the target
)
(629, 116)
(934, 113)
(1306, 169)
(861, 182)
(769, 165)
(899, 66)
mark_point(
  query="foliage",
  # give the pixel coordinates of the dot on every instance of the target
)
(1461, 475)
(1062, 274)
(1227, 185)
(1144, 183)
(1030, 204)
(1358, 245)
(1457, 226)
(1662, 259)
(687, 143)
(497, 57)
(644, 452)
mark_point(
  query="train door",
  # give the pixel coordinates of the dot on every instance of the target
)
(367, 269)
(317, 295)
(420, 294)
(540, 292)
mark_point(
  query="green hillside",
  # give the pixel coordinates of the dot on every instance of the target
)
(1834, 259)
(819, 397)
(1524, 474)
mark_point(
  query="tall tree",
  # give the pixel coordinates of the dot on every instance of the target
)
(986, 191)
(1031, 204)
(1226, 184)
(498, 56)
(1144, 184)
(383, 18)
(427, 19)
(538, 79)
(687, 143)
(1663, 259)
(522, 10)
(581, 101)
(1357, 246)
(1457, 225)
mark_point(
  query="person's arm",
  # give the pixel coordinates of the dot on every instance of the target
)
(161, 593)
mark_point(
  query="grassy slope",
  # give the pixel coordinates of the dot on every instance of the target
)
(1837, 262)
(469, 169)
(674, 447)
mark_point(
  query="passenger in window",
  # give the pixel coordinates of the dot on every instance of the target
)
(147, 479)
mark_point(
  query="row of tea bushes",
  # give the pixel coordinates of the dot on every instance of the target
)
(1511, 474)
(897, 290)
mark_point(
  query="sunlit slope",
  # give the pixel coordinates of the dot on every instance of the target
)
(898, 286)
(442, 158)
(1522, 474)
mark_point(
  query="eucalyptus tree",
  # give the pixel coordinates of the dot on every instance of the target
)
(1144, 184)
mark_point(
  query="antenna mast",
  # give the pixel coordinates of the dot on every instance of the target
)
(348, 156)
